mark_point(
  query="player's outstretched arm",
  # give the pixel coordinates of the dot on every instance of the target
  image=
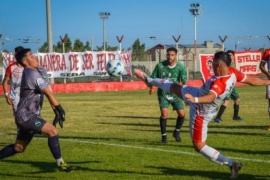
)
(58, 110)
(256, 81)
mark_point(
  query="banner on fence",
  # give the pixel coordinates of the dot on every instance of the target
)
(206, 68)
(75, 64)
(247, 62)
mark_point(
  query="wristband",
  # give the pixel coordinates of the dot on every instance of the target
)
(6, 94)
(196, 100)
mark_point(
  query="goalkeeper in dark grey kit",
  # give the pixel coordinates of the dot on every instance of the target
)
(34, 85)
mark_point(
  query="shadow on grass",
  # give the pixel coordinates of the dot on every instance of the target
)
(129, 124)
(212, 124)
(44, 167)
(21, 176)
(204, 174)
(236, 126)
(132, 117)
(210, 131)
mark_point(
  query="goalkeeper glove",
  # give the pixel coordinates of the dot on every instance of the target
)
(59, 115)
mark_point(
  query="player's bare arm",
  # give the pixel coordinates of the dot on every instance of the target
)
(5, 88)
(256, 81)
(209, 98)
(49, 94)
(262, 67)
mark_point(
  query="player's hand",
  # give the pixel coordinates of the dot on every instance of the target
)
(8, 100)
(151, 91)
(60, 115)
(190, 98)
(56, 118)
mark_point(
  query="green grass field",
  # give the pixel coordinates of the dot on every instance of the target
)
(116, 135)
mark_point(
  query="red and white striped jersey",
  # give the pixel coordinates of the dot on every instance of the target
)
(221, 86)
(14, 72)
(266, 58)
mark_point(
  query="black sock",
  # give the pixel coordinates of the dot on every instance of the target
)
(179, 122)
(54, 146)
(236, 110)
(163, 124)
(7, 151)
(221, 111)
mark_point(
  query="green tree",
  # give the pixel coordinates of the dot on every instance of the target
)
(108, 48)
(58, 47)
(87, 46)
(138, 51)
(44, 48)
(68, 44)
(78, 46)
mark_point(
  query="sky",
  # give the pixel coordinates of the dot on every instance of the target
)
(244, 22)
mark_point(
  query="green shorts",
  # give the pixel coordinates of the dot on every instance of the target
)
(177, 103)
(233, 95)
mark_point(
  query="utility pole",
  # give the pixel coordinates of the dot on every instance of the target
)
(0, 42)
(222, 41)
(120, 41)
(49, 29)
(120, 49)
(64, 40)
(176, 46)
(92, 43)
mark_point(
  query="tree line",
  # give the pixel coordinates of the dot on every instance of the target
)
(138, 50)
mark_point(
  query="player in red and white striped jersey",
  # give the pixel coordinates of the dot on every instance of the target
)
(14, 76)
(204, 103)
(266, 60)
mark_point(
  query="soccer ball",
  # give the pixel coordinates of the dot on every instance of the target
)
(116, 68)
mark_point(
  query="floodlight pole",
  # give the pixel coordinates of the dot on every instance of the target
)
(104, 16)
(195, 10)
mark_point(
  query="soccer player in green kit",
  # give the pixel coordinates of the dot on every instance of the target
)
(173, 70)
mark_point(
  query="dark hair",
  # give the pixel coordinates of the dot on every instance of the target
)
(223, 56)
(230, 51)
(18, 48)
(20, 55)
(172, 49)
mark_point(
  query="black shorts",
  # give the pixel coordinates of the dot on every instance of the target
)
(28, 129)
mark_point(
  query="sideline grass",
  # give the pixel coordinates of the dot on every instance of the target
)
(115, 135)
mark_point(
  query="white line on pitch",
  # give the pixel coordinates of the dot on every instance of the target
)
(156, 149)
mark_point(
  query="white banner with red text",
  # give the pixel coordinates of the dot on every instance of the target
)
(247, 62)
(75, 64)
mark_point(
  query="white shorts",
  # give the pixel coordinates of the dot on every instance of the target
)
(267, 91)
(198, 122)
(15, 101)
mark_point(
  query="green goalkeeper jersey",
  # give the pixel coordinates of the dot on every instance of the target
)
(176, 74)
